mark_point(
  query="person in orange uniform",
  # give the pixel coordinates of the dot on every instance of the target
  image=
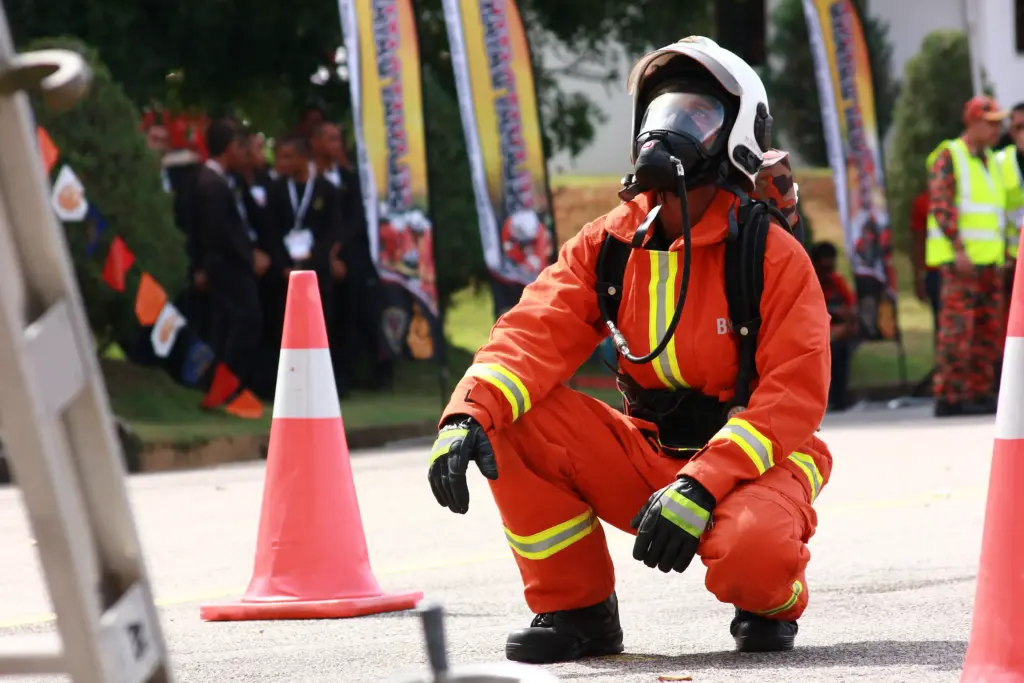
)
(559, 461)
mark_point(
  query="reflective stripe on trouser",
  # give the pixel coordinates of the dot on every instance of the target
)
(789, 604)
(510, 386)
(544, 544)
(574, 458)
(755, 444)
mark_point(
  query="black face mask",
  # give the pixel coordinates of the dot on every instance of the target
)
(690, 125)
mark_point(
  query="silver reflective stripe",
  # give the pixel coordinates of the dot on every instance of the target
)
(806, 463)
(972, 234)
(685, 514)
(752, 441)
(518, 399)
(549, 545)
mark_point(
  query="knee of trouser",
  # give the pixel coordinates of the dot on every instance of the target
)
(755, 563)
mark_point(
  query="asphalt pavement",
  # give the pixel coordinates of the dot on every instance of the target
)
(892, 573)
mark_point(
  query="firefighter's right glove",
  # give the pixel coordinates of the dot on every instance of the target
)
(670, 525)
(460, 440)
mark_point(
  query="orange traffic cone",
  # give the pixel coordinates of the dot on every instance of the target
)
(996, 650)
(311, 556)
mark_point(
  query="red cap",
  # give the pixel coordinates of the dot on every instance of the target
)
(983, 108)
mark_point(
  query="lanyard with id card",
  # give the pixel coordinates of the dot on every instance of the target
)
(299, 240)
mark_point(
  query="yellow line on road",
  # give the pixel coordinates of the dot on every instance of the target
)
(858, 506)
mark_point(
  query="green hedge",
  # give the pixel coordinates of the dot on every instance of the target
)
(458, 253)
(936, 84)
(100, 140)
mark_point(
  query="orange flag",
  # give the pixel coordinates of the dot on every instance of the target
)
(47, 150)
(149, 301)
(246, 406)
(223, 385)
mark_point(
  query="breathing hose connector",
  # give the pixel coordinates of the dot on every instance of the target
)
(619, 339)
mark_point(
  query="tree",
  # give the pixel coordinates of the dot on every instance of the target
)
(99, 140)
(936, 84)
(457, 251)
(195, 40)
(792, 85)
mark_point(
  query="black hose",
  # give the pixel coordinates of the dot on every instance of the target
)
(617, 337)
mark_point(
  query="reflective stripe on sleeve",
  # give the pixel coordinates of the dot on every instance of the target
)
(548, 542)
(444, 442)
(807, 465)
(684, 513)
(754, 444)
(798, 588)
(507, 383)
(662, 292)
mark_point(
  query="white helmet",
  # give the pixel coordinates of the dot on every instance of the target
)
(750, 137)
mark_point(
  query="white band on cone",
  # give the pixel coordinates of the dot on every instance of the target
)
(305, 385)
(1010, 416)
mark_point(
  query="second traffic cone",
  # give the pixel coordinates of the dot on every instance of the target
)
(996, 650)
(311, 555)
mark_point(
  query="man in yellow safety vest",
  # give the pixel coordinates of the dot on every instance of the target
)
(966, 240)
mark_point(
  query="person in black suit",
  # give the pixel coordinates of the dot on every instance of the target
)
(254, 183)
(306, 222)
(359, 299)
(229, 259)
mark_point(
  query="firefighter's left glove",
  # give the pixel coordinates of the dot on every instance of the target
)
(460, 440)
(670, 525)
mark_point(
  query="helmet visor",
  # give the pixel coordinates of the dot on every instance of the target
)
(698, 116)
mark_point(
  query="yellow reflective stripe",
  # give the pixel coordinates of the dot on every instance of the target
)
(810, 469)
(798, 588)
(548, 542)
(662, 293)
(684, 513)
(508, 384)
(757, 447)
(444, 442)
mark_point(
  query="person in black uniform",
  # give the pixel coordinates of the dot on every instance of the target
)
(358, 314)
(305, 217)
(254, 184)
(229, 261)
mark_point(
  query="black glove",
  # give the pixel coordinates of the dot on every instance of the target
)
(670, 524)
(460, 440)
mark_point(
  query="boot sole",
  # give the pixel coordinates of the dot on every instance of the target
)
(778, 644)
(593, 648)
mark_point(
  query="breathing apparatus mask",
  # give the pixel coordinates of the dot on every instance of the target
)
(681, 145)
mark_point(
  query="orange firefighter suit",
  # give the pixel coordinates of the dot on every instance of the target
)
(566, 460)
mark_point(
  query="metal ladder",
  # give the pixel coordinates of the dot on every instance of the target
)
(57, 424)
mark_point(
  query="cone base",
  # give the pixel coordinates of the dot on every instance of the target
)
(245, 610)
(991, 674)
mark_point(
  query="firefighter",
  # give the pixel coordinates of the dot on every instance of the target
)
(683, 469)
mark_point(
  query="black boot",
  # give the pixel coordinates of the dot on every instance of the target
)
(754, 633)
(565, 636)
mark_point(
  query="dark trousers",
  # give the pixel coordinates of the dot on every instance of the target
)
(842, 355)
(358, 332)
(237, 324)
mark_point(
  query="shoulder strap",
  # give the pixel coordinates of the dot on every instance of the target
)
(744, 285)
(611, 270)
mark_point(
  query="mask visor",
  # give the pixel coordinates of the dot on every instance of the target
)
(697, 116)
